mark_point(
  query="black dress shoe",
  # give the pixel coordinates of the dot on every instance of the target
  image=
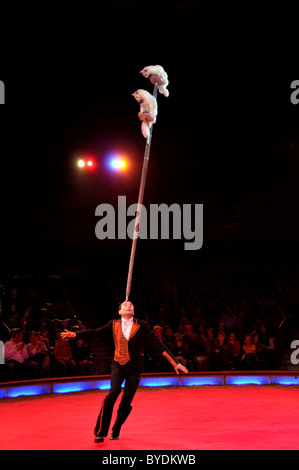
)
(114, 435)
(98, 439)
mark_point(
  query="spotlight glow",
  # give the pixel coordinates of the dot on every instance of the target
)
(89, 163)
(118, 164)
(81, 163)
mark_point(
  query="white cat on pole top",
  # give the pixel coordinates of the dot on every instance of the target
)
(148, 110)
(154, 72)
(148, 103)
(148, 115)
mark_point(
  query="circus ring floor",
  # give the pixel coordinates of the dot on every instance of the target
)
(202, 411)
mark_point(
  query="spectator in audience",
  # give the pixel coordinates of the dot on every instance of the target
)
(202, 339)
(255, 327)
(39, 355)
(56, 327)
(45, 335)
(65, 309)
(62, 352)
(233, 350)
(198, 318)
(180, 331)
(16, 355)
(48, 306)
(13, 297)
(28, 320)
(157, 363)
(191, 341)
(241, 323)
(69, 323)
(12, 316)
(221, 328)
(158, 330)
(180, 352)
(183, 318)
(81, 354)
(43, 316)
(168, 339)
(249, 358)
(266, 347)
(220, 359)
(229, 318)
(211, 341)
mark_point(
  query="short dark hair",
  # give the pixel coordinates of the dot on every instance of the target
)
(15, 331)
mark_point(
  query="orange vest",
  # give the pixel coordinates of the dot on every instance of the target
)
(121, 354)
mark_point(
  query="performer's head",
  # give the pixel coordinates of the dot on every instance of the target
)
(126, 309)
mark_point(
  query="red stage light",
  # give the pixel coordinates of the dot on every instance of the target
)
(86, 162)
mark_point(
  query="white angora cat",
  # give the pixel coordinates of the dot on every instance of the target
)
(157, 70)
(148, 110)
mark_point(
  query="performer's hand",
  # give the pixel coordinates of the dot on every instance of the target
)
(180, 367)
(67, 334)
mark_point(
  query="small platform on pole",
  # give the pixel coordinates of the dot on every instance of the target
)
(146, 117)
(156, 79)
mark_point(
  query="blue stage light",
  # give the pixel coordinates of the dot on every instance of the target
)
(66, 387)
(284, 380)
(247, 380)
(102, 384)
(159, 381)
(218, 379)
(202, 380)
(28, 390)
(116, 163)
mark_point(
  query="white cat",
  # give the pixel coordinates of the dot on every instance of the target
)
(157, 70)
(148, 110)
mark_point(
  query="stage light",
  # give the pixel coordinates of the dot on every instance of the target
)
(285, 380)
(28, 390)
(102, 384)
(159, 381)
(66, 387)
(118, 164)
(202, 380)
(247, 380)
(86, 162)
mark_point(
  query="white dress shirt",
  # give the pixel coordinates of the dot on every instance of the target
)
(12, 352)
(126, 327)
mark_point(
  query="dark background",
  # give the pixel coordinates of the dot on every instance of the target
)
(226, 137)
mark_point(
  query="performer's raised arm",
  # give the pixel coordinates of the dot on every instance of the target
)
(67, 334)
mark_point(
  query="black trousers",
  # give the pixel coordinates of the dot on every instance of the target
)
(119, 373)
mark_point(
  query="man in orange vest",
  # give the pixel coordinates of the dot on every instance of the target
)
(130, 336)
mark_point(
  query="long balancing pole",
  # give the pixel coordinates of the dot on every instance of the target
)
(139, 204)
